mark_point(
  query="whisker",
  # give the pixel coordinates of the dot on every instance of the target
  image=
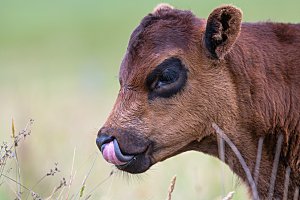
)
(101, 183)
(110, 185)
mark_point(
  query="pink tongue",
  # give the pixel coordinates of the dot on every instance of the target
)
(109, 154)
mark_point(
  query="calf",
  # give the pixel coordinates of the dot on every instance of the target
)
(181, 74)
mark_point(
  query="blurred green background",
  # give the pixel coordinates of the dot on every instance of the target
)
(59, 62)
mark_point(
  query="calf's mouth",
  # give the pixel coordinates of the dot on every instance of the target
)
(127, 153)
(113, 154)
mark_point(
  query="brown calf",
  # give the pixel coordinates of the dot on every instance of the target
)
(181, 74)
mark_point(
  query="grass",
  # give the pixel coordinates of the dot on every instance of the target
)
(253, 183)
(59, 63)
(62, 190)
(10, 176)
(62, 184)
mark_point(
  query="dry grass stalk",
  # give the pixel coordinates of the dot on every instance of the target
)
(286, 183)
(275, 166)
(83, 186)
(72, 175)
(229, 196)
(220, 132)
(63, 183)
(221, 150)
(258, 159)
(171, 188)
(253, 183)
(18, 169)
(296, 194)
(8, 152)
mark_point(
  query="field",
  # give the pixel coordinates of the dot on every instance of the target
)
(59, 63)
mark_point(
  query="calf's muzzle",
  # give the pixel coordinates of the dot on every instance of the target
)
(124, 149)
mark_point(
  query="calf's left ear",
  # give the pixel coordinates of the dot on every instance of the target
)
(222, 29)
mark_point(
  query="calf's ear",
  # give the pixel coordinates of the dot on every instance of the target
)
(222, 29)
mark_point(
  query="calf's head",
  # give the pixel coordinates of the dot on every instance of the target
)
(173, 85)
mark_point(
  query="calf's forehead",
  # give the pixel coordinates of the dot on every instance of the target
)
(152, 43)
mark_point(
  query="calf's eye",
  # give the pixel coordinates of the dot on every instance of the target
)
(168, 76)
(167, 79)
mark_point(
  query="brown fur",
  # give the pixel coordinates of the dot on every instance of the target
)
(243, 76)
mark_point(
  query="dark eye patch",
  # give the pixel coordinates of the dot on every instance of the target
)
(167, 79)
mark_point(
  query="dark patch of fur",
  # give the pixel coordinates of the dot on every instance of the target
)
(284, 32)
(170, 89)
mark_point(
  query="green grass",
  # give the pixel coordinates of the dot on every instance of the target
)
(58, 65)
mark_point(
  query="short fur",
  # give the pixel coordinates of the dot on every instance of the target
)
(243, 76)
